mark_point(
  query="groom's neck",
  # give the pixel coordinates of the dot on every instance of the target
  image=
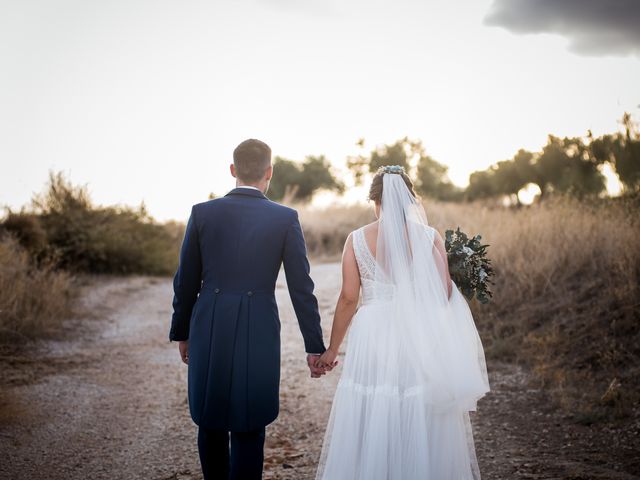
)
(260, 185)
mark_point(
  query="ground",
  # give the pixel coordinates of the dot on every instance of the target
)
(107, 400)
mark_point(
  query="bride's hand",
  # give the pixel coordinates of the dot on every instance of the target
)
(328, 359)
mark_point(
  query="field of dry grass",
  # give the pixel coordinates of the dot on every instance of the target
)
(566, 293)
(34, 300)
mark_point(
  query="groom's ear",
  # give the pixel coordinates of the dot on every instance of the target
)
(232, 168)
(269, 173)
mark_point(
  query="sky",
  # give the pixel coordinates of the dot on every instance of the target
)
(146, 100)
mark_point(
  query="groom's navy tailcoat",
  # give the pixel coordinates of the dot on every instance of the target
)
(224, 304)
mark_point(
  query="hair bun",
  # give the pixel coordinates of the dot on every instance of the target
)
(375, 191)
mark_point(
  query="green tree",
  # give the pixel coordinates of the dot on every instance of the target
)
(621, 151)
(507, 179)
(286, 176)
(317, 175)
(524, 163)
(627, 155)
(430, 176)
(566, 165)
(432, 179)
(295, 181)
(398, 153)
(481, 185)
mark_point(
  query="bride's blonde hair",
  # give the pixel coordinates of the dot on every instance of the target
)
(375, 191)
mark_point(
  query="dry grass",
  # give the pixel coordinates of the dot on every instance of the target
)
(33, 300)
(566, 293)
(326, 230)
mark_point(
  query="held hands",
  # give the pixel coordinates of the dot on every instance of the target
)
(313, 361)
(319, 365)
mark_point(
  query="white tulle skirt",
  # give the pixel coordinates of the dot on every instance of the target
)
(383, 425)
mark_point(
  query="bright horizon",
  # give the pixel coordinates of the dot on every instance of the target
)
(145, 101)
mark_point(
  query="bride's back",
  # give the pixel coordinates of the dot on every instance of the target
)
(364, 249)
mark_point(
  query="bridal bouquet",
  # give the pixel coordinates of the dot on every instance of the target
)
(469, 266)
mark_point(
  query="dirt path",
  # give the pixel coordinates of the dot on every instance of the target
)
(110, 403)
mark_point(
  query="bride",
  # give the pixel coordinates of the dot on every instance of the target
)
(414, 366)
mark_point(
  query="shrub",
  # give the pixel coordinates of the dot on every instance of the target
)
(26, 228)
(103, 239)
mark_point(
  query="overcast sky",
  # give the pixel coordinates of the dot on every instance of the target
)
(145, 100)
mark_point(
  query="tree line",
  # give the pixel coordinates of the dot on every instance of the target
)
(569, 165)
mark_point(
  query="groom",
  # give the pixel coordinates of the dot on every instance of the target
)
(225, 316)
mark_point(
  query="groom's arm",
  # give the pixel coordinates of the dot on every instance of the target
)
(186, 282)
(300, 285)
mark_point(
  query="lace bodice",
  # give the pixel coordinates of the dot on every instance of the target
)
(365, 259)
(372, 290)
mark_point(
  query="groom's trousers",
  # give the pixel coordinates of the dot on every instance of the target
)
(243, 461)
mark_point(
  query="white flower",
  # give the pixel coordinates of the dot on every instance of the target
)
(467, 251)
(483, 274)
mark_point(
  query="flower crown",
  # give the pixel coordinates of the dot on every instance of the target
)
(397, 169)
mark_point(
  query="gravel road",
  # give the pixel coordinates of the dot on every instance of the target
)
(107, 400)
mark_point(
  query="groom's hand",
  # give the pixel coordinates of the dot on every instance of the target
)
(316, 372)
(183, 348)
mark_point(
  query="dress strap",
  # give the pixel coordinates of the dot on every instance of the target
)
(364, 258)
(358, 237)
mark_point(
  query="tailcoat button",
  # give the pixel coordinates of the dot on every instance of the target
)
(249, 293)
(217, 290)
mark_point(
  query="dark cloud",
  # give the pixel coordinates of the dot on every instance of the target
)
(593, 27)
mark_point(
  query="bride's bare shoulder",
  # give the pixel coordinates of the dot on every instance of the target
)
(370, 228)
(366, 229)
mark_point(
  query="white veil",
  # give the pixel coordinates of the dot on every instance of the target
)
(440, 347)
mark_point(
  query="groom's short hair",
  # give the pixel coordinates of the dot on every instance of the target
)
(251, 158)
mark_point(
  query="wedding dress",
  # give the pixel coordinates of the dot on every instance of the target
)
(414, 366)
